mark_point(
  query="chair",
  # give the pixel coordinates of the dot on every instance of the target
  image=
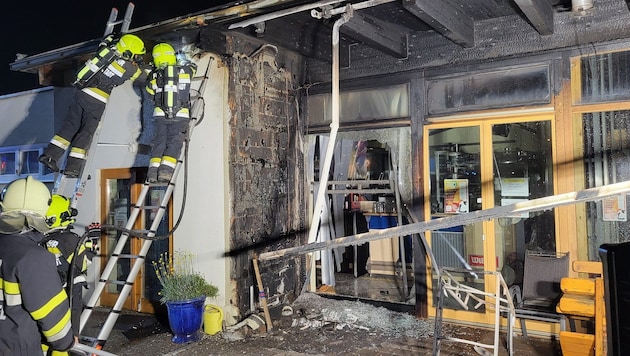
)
(541, 291)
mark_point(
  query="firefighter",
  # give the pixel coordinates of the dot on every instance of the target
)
(33, 304)
(115, 62)
(169, 85)
(70, 250)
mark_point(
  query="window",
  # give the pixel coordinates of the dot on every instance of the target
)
(500, 89)
(598, 80)
(29, 163)
(7, 163)
(360, 106)
(605, 77)
(606, 161)
(20, 161)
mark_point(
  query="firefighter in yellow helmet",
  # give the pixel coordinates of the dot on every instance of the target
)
(169, 85)
(33, 304)
(73, 255)
(115, 62)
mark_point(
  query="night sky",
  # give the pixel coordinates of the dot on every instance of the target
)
(31, 29)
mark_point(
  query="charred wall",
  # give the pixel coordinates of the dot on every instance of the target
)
(266, 167)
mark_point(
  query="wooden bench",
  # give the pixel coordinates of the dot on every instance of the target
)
(584, 297)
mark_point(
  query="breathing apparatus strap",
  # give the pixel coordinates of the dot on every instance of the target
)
(87, 73)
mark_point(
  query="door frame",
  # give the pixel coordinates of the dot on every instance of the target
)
(136, 300)
(484, 123)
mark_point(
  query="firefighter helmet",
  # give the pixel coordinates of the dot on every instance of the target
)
(164, 54)
(27, 195)
(130, 46)
(59, 212)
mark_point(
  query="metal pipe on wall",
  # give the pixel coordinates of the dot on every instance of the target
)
(330, 148)
(334, 126)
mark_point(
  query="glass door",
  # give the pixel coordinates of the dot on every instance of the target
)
(120, 189)
(456, 188)
(482, 165)
(522, 170)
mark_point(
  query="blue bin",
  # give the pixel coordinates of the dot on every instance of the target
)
(382, 222)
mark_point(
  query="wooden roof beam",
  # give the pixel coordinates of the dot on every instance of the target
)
(384, 36)
(539, 13)
(445, 18)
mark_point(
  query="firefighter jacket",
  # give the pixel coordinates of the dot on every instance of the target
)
(33, 304)
(170, 88)
(105, 71)
(63, 243)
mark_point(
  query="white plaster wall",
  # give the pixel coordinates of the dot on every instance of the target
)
(205, 224)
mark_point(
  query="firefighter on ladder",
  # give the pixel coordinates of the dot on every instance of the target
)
(73, 254)
(169, 85)
(114, 63)
(33, 304)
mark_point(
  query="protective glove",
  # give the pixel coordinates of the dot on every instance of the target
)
(94, 230)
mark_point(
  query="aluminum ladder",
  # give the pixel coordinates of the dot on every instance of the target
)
(138, 260)
(148, 236)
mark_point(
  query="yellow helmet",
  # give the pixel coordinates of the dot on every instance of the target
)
(27, 195)
(130, 46)
(59, 212)
(163, 54)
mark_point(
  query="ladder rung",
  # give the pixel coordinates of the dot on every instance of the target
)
(147, 207)
(127, 255)
(157, 184)
(118, 283)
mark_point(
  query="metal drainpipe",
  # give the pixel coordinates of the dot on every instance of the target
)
(334, 127)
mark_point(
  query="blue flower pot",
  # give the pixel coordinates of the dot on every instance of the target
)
(185, 319)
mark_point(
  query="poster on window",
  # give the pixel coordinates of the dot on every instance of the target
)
(455, 196)
(615, 208)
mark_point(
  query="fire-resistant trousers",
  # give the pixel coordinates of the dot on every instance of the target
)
(78, 128)
(169, 136)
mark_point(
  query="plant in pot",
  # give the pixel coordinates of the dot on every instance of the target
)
(184, 292)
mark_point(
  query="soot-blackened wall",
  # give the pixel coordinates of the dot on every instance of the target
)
(266, 168)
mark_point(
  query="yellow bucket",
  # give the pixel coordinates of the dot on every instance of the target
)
(212, 319)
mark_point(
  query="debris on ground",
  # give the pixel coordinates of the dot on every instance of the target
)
(315, 311)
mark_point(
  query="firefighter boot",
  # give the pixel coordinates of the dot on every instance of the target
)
(165, 173)
(49, 162)
(50, 157)
(152, 174)
(73, 167)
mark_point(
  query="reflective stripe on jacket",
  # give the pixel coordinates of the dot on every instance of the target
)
(31, 298)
